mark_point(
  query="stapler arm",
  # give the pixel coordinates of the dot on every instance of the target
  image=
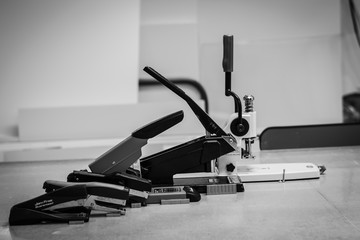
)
(119, 158)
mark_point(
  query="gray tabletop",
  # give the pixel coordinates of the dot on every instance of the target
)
(325, 208)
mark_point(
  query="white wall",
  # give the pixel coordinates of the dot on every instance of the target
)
(287, 54)
(76, 53)
(350, 51)
(66, 53)
(169, 38)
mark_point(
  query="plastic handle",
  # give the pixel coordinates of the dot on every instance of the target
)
(158, 126)
(228, 42)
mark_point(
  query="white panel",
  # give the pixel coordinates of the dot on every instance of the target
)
(168, 11)
(169, 38)
(171, 49)
(67, 53)
(350, 51)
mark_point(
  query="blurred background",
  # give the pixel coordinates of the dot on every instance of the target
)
(70, 70)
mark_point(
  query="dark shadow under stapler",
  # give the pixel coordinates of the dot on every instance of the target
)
(192, 156)
(101, 197)
(65, 205)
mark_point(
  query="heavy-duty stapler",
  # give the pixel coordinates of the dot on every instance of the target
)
(139, 188)
(65, 205)
(114, 166)
(101, 197)
(119, 158)
(193, 156)
(242, 124)
(191, 161)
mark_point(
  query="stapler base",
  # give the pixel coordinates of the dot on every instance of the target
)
(277, 172)
(210, 182)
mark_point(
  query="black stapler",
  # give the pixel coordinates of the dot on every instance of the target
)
(193, 156)
(139, 188)
(64, 205)
(114, 166)
(119, 158)
(173, 193)
(101, 197)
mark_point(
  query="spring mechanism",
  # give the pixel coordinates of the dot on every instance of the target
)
(249, 103)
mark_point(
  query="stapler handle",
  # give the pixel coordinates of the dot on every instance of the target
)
(154, 128)
(228, 43)
(227, 63)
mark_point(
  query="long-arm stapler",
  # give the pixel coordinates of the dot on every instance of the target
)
(119, 158)
(114, 166)
(101, 197)
(193, 156)
(191, 160)
(65, 205)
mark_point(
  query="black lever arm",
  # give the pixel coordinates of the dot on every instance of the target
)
(228, 44)
(204, 118)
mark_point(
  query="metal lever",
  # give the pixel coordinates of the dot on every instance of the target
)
(227, 63)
